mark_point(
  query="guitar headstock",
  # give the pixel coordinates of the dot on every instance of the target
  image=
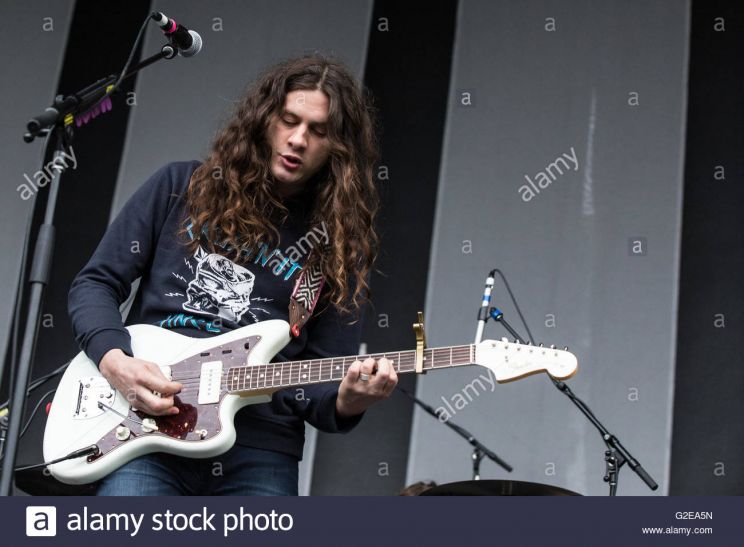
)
(513, 360)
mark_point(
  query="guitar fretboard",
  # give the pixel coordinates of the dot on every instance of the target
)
(333, 369)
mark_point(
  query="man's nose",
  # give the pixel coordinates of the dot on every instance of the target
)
(298, 138)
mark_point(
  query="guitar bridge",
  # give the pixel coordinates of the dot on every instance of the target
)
(91, 391)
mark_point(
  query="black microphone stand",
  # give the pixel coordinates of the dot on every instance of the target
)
(53, 121)
(616, 454)
(479, 449)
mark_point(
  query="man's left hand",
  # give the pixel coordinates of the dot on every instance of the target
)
(365, 383)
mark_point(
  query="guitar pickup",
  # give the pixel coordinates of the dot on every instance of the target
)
(210, 381)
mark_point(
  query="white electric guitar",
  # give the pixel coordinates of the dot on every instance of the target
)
(220, 375)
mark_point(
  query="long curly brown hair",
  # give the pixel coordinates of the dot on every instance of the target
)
(232, 195)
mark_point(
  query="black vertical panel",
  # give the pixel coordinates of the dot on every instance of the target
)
(100, 40)
(708, 439)
(408, 73)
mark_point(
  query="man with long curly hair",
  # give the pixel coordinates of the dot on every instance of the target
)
(287, 188)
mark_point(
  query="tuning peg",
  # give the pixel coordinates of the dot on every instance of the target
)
(565, 348)
(529, 343)
(552, 346)
(540, 345)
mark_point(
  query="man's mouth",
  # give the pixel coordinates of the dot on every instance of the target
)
(291, 161)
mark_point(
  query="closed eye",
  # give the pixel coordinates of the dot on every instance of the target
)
(292, 121)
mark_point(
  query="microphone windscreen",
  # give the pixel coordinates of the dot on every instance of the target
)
(196, 45)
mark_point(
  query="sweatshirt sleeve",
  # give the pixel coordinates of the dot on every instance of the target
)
(123, 254)
(329, 335)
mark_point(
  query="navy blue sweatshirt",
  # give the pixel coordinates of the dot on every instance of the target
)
(204, 294)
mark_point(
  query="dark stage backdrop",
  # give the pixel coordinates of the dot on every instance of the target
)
(708, 440)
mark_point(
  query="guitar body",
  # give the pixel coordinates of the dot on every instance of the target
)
(200, 430)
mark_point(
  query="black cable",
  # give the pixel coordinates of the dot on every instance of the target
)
(83, 452)
(560, 384)
(31, 417)
(124, 70)
(514, 301)
(39, 381)
(35, 410)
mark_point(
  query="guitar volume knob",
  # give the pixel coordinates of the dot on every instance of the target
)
(122, 433)
(149, 425)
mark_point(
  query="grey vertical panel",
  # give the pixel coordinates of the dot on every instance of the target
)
(536, 95)
(182, 102)
(30, 63)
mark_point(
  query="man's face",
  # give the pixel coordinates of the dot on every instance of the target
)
(297, 136)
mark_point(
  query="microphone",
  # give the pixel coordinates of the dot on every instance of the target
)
(485, 303)
(188, 42)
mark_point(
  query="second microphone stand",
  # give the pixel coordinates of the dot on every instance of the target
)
(616, 454)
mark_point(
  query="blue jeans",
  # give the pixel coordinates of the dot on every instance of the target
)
(241, 471)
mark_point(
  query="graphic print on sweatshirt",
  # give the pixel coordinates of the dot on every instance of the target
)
(220, 287)
(216, 286)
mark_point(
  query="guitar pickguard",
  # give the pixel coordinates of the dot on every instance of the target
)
(195, 421)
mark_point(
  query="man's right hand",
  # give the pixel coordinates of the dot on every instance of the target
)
(137, 379)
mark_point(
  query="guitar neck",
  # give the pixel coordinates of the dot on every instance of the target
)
(333, 369)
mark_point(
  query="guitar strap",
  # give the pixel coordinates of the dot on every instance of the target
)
(304, 298)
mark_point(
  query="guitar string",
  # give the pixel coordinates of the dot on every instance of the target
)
(287, 378)
(313, 365)
(312, 368)
(406, 363)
